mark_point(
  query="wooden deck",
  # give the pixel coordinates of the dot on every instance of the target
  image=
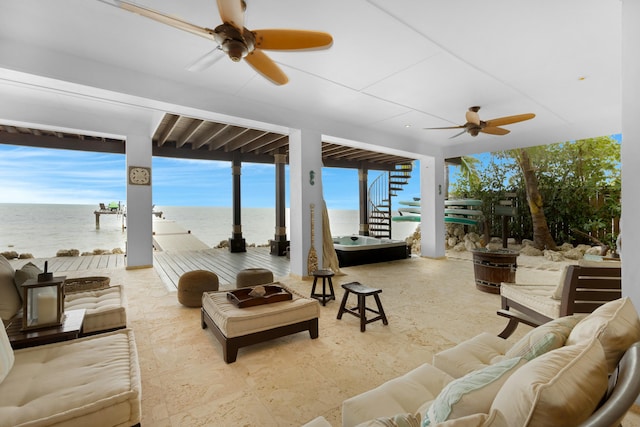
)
(170, 265)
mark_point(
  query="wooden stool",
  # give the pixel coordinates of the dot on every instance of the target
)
(360, 310)
(324, 296)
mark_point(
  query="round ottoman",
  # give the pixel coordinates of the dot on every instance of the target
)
(253, 276)
(193, 284)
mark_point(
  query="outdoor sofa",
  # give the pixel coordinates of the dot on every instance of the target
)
(579, 370)
(91, 381)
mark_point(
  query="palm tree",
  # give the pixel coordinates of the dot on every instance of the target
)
(541, 235)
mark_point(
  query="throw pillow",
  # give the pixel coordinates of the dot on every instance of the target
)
(399, 420)
(615, 324)
(10, 301)
(26, 272)
(6, 355)
(471, 394)
(559, 388)
(544, 338)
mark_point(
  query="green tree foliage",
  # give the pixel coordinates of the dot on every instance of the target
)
(579, 182)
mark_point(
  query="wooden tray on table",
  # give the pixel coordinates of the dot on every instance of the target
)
(241, 298)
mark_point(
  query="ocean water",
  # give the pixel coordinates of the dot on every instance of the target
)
(42, 229)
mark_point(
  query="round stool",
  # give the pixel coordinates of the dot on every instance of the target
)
(361, 309)
(253, 276)
(193, 284)
(326, 275)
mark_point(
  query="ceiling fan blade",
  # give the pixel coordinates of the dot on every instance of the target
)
(166, 19)
(448, 127)
(457, 134)
(275, 39)
(232, 12)
(510, 119)
(495, 130)
(265, 66)
(206, 60)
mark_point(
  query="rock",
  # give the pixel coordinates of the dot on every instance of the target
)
(459, 247)
(573, 253)
(469, 245)
(497, 240)
(10, 254)
(101, 252)
(494, 246)
(553, 255)
(68, 253)
(530, 250)
(25, 256)
(117, 251)
(473, 237)
(223, 244)
(594, 250)
(565, 247)
(527, 242)
(452, 241)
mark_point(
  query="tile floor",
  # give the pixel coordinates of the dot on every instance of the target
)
(431, 305)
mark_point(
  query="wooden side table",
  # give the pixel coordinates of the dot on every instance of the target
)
(69, 330)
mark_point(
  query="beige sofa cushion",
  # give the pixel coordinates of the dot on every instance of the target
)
(400, 395)
(105, 308)
(615, 324)
(544, 338)
(6, 355)
(236, 322)
(471, 355)
(10, 301)
(559, 388)
(536, 297)
(471, 394)
(85, 382)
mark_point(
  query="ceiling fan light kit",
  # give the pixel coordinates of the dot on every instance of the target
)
(474, 125)
(237, 41)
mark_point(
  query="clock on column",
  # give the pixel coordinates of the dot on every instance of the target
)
(139, 175)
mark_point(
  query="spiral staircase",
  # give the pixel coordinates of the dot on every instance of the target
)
(381, 190)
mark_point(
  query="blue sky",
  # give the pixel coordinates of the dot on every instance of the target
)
(36, 175)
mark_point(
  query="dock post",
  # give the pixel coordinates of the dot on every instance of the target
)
(97, 220)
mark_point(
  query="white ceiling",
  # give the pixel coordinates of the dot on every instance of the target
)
(393, 64)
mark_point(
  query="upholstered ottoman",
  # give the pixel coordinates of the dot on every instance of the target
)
(193, 284)
(105, 308)
(253, 276)
(238, 327)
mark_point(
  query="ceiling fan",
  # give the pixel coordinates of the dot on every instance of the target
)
(239, 42)
(474, 125)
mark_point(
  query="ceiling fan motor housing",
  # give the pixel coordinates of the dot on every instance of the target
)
(235, 44)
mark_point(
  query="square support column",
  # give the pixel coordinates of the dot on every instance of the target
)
(305, 169)
(432, 193)
(139, 218)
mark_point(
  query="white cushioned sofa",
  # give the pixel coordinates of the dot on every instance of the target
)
(105, 305)
(558, 374)
(91, 381)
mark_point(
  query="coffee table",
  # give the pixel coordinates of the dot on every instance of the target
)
(69, 330)
(236, 327)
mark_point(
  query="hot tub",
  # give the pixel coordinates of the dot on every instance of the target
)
(356, 250)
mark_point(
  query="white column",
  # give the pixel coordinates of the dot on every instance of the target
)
(432, 192)
(305, 181)
(139, 205)
(630, 226)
